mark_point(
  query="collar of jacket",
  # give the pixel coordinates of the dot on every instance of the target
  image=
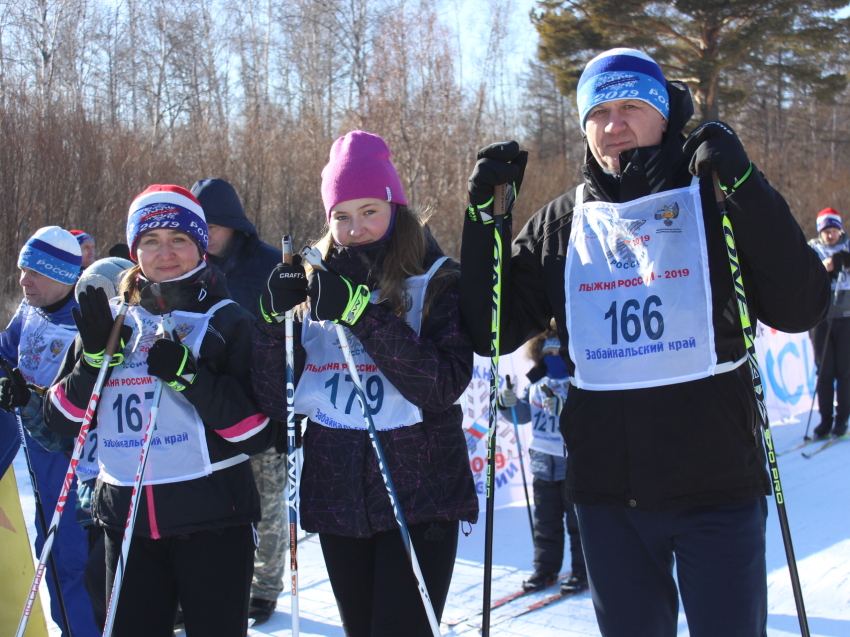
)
(60, 312)
(193, 294)
(649, 169)
(364, 264)
(240, 243)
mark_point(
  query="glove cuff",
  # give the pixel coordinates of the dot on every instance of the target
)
(96, 360)
(182, 381)
(270, 317)
(482, 214)
(358, 301)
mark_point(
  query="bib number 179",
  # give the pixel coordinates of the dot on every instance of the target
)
(629, 323)
(373, 388)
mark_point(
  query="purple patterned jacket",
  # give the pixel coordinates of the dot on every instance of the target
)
(341, 488)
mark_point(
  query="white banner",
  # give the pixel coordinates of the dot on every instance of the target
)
(476, 417)
(788, 375)
(788, 372)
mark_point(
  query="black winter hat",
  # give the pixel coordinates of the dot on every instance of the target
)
(221, 205)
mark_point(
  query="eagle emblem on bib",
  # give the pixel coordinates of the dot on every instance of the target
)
(30, 354)
(668, 212)
(183, 330)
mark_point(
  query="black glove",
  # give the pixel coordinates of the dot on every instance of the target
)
(841, 260)
(498, 164)
(14, 391)
(282, 444)
(335, 298)
(285, 288)
(94, 322)
(173, 363)
(715, 147)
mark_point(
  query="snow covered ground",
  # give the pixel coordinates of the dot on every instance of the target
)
(818, 500)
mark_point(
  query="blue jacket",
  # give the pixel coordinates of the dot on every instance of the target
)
(9, 341)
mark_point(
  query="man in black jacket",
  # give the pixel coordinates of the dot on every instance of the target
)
(237, 251)
(666, 457)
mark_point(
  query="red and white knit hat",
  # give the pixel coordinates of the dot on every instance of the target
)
(170, 207)
(829, 218)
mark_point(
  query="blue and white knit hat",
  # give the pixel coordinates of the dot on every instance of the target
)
(53, 252)
(169, 207)
(829, 218)
(621, 74)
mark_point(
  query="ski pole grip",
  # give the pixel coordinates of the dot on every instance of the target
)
(500, 194)
(287, 249)
(719, 195)
(314, 258)
(508, 382)
(115, 332)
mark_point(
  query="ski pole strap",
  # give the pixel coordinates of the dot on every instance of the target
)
(731, 189)
(358, 301)
(96, 360)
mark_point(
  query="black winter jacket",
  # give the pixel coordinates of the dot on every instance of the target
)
(222, 395)
(687, 444)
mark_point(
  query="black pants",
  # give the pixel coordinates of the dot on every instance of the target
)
(95, 575)
(374, 585)
(833, 364)
(208, 572)
(719, 555)
(550, 507)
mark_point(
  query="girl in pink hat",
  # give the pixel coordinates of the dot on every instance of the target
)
(396, 294)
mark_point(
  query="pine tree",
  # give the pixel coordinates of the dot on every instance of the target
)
(697, 41)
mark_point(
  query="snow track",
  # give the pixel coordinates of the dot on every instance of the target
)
(817, 493)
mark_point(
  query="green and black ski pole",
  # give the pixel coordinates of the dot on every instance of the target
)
(758, 388)
(500, 207)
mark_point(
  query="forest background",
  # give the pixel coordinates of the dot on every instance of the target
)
(100, 98)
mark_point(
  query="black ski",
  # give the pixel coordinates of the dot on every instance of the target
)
(826, 445)
(546, 601)
(502, 601)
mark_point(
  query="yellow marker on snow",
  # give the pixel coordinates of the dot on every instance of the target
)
(16, 564)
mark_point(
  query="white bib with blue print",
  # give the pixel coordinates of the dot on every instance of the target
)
(638, 292)
(326, 393)
(178, 449)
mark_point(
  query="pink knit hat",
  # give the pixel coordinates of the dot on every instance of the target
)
(360, 167)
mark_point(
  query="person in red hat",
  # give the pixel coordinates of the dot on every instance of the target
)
(193, 540)
(831, 337)
(87, 246)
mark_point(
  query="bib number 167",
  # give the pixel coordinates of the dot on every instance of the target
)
(630, 324)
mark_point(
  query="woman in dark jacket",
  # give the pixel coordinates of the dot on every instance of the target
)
(397, 296)
(193, 540)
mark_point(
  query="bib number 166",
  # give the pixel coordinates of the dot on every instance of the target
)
(629, 323)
